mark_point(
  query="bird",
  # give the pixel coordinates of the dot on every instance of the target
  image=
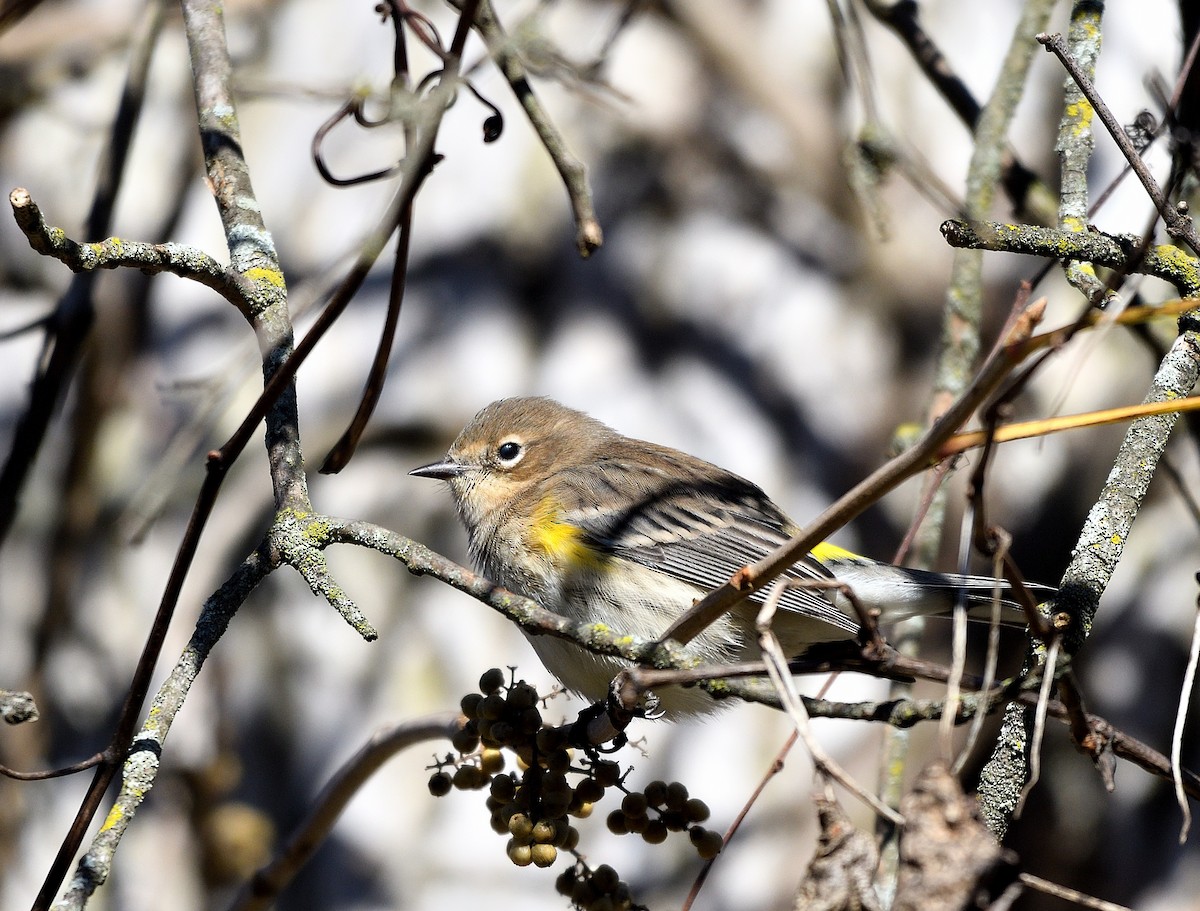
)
(603, 528)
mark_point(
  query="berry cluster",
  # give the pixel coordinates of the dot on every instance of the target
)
(664, 808)
(600, 889)
(534, 805)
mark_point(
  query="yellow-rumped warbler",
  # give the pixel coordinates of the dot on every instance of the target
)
(602, 528)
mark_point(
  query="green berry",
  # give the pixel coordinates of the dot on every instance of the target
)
(674, 820)
(637, 824)
(551, 739)
(492, 708)
(555, 784)
(491, 761)
(569, 840)
(468, 778)
(520, 826)
(544, 832)
(503, 787)
(606, 773)
(589, 790)
(522, 695)
(528, 721)
(465, 740)
(565, 883)
(583, 894)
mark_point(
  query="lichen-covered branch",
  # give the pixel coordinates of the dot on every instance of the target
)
(116, 253)
(1076, 141)
(1097, 552)
(142, 761)
(960, 328)
(252, 254)
(960, 342)
(1116, 251)
(17, 707)
(1178, 223)
(298, 539)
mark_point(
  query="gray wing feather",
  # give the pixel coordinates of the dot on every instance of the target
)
(701, 539)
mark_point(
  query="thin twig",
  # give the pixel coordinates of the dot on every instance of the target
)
(753, 578)
(588, 234)
(958, 649)
(1178, 225)
(1039, 724)
(774, 769)
(68, 328)
(777, 670)
(261, 890)
(341, 453)
(1071, 895)
(1025, 189)
(1181, 711)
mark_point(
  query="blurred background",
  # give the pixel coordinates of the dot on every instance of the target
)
(743, 307)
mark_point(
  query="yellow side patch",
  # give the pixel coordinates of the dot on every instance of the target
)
(561, 541)
(826, 551)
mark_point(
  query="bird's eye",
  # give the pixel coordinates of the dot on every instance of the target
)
(510, 452)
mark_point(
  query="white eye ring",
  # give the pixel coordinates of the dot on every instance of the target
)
(510, 452)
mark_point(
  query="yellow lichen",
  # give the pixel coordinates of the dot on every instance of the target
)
(271, 276)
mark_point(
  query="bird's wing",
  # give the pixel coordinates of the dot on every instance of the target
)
(701, 530)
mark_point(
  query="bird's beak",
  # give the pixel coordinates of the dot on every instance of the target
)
(444, 470)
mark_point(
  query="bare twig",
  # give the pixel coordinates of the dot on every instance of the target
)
(785, 685)
(588, 234)
(774, 769)
(1178, 224)
(1181, 712)
(1071, 895)
(261, 890)
(1024, 188)
(343, 450)
(70, 325)
(1039, 724)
